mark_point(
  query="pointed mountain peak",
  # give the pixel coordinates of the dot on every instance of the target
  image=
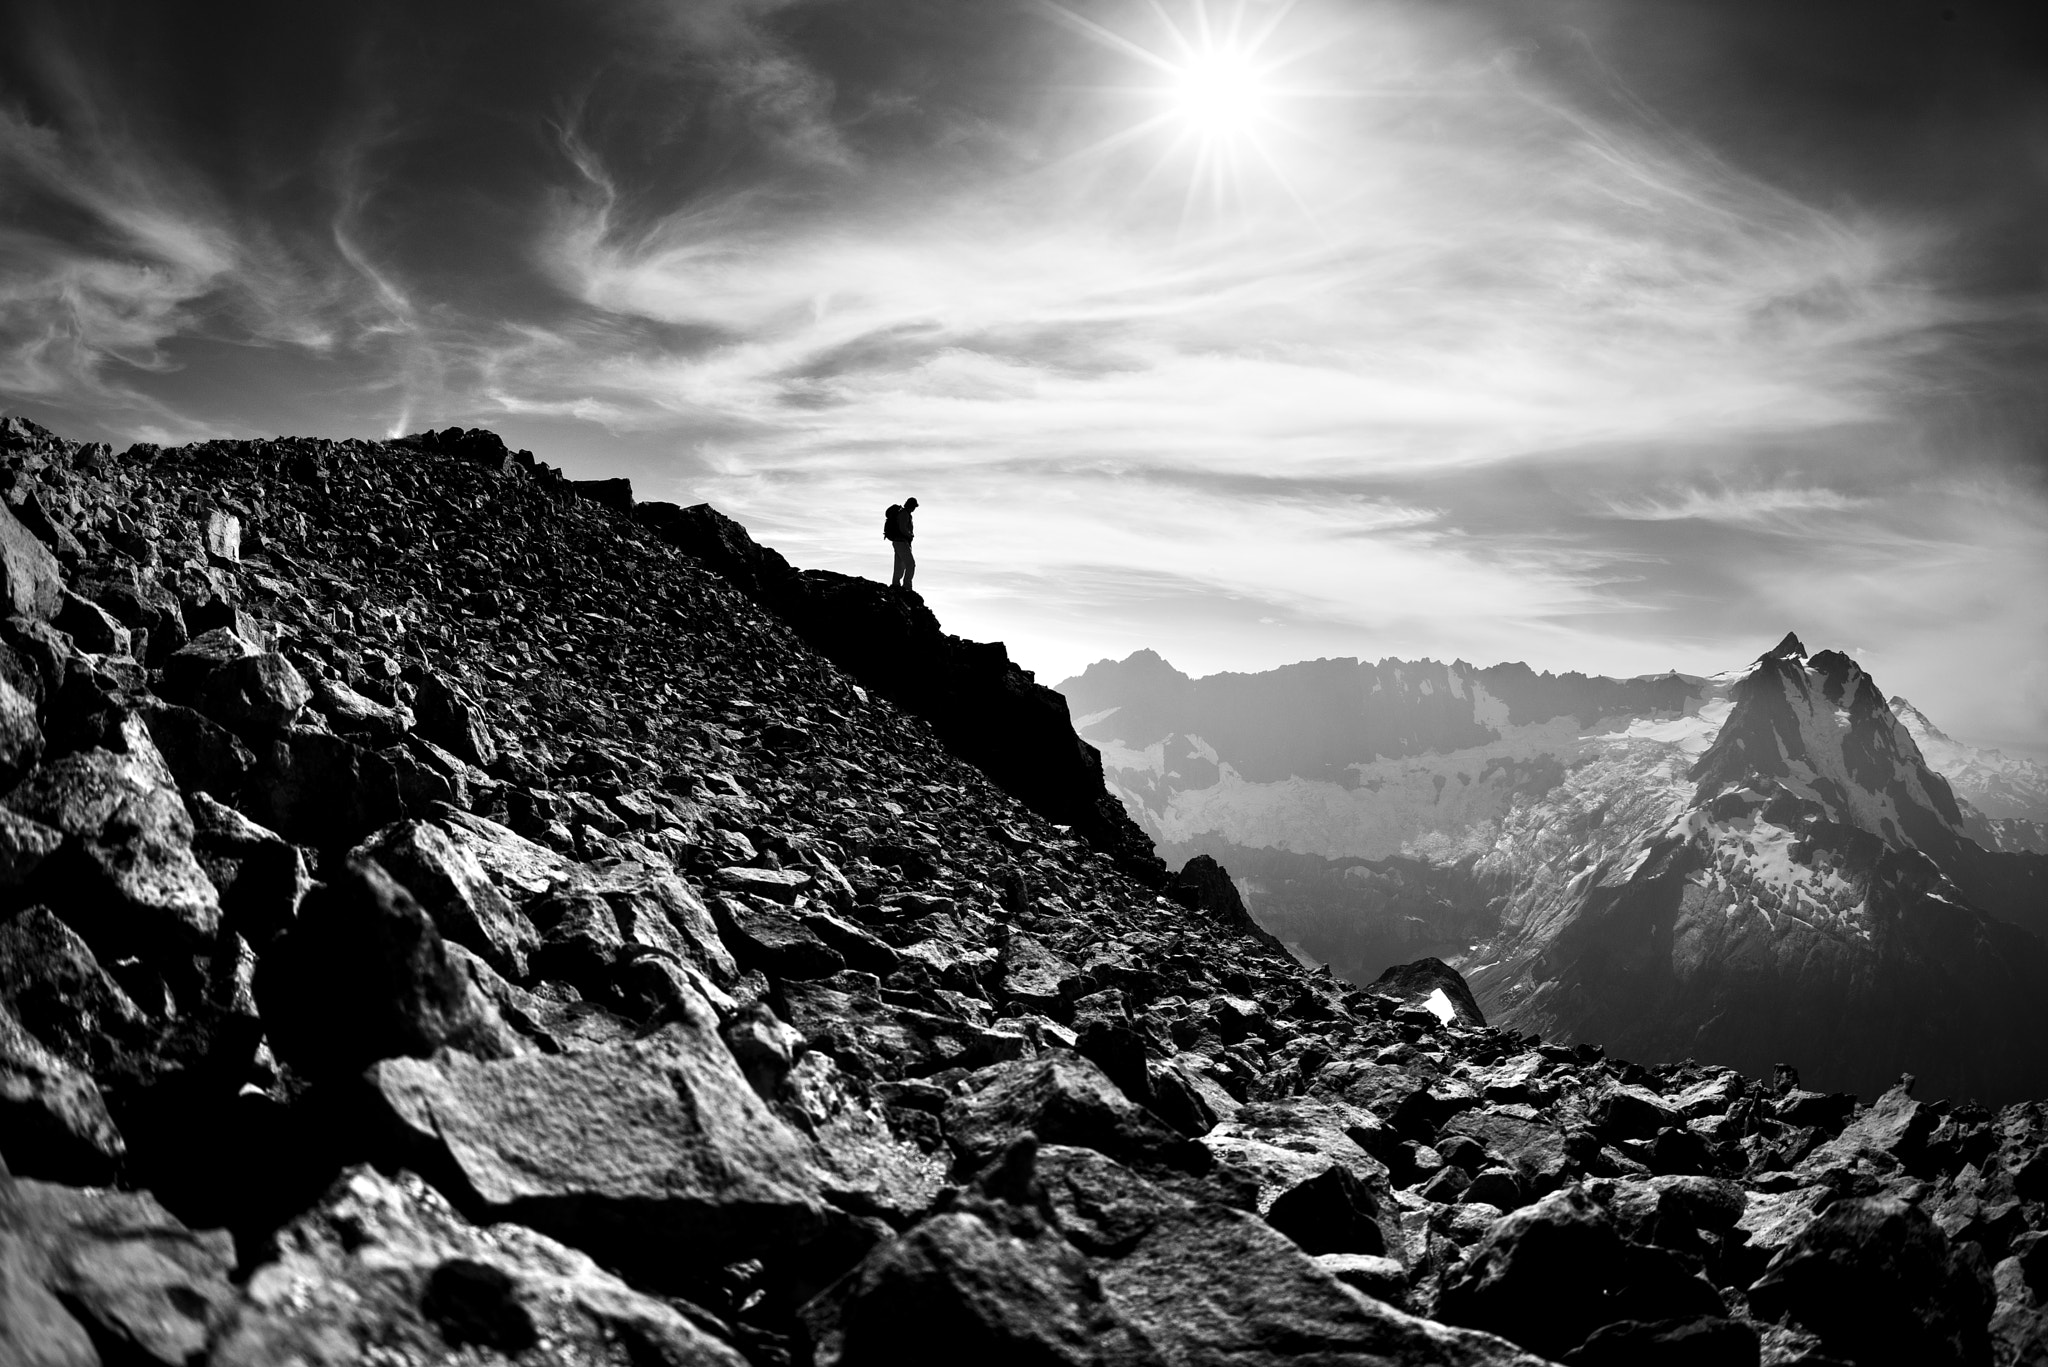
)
(1789, 648)
(1915, 720)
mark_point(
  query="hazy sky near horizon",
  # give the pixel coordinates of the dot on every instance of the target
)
(1611, 335)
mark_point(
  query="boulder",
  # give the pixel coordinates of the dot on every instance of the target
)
(21, 738)
(363, 975)
(1876, 1280)
(652, 1155)
(1205, 1283)
(1034, 976)
(320, 789)
(1533, 1149)
(188, 668)
(133, 884)
(985, 1283)
(90, 626)
(53, 1122)
(24, 845)
(447, 880)
(1433, 985)
(260, 875)
(447, 716)
(255, 696)
(203, 755)
(31, 583)
(55, 987)
(89, 1275)
(383, 1268)
(1548, 1275)
(1062, 1098)
(774, 940)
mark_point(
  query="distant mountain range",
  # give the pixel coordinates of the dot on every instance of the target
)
(1768, 863)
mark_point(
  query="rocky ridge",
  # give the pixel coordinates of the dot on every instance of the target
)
(443, 922)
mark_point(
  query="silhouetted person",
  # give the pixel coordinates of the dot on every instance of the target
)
(896, 527)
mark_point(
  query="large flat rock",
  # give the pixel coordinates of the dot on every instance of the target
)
(645, 1154)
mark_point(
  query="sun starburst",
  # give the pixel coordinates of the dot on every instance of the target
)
(1210, 96)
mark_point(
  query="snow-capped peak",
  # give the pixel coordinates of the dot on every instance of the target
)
(1819, 729)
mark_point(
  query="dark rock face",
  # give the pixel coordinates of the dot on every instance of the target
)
(1874, 1276)
(1418, 983)
(363, 975)
(983, 707)
(586, 968)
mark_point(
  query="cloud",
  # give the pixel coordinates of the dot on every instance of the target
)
(1781, 507)
(1487, 346)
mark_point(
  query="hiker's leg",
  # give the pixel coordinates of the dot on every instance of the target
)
(909, 565)
(902, 549)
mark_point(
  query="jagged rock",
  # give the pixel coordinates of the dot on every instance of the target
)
(1204, 885)
(188, 669)
(1420, 983)
(987, 1282)
(1062, 1098)
(654, 1155)
(90, 626)
(349, 713)
(203, 755)
(31, 583)
(49, 530)
(363, 975)
(1206, 1283)
(516, 866)
(450, 719)
(318, 788)
(1550, 1274)
(134, 886)
(448, 881)
(1702, 1342)
(1877, 1281)
(21, 738)
(1314, 1181)
(777, 885)
(984, 970)
(223, 536)
(383, 1267)
(256, 696)
(53, 1121)
(774, 940)
(1537, 1152)
(24, 845)
(53, 984)
(260, 876)
(87, 1275)
(1035, 976)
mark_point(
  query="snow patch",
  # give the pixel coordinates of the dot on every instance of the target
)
(1440, 1005)
(1693, 735)
(1096, 718)
(1488, 710)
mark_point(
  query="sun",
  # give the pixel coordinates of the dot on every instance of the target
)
(1211, 92)
(1220, 93)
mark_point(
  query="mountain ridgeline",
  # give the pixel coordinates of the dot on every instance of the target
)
(1743, 868)
(456, 916)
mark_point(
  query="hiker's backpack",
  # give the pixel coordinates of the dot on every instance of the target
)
(889, 521)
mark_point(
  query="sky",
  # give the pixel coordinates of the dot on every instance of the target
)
(1610, 335)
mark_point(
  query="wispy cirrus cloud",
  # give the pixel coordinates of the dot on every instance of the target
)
(1509, 337)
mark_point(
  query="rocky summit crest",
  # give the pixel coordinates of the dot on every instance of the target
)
(453, 914)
